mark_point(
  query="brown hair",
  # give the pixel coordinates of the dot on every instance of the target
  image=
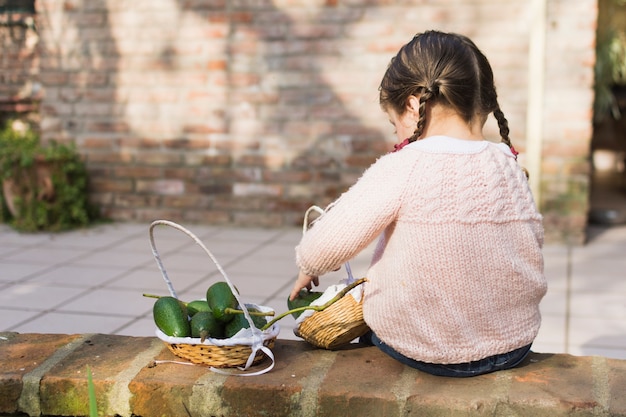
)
(447, 68)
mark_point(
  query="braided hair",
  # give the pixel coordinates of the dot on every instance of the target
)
(446, 68)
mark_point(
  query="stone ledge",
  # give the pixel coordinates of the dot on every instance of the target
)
(45, 374)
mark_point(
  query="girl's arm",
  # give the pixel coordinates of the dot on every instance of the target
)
(354, 220)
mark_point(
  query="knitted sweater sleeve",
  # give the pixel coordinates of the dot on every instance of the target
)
(354, 220)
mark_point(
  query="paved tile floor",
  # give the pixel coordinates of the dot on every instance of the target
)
(91, 281)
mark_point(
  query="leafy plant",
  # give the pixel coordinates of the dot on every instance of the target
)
(610, 70)
(610, 67)
(44, 186)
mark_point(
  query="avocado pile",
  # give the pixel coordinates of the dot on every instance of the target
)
(216, 317)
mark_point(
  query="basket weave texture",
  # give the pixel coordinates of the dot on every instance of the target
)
(217, 356)
(336, 325)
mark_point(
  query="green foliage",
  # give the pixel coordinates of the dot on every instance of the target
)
(93, 405)
(610, 66)
(48, 183)
(610, 70)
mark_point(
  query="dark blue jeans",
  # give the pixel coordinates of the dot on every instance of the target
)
(459, 370)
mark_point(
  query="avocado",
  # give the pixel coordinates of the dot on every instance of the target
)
(170, 316)
(204, 324)
(304, 299)
(240, 322)
(220, 297)
(196, 306)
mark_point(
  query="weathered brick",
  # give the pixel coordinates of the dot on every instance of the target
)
(136, 172)
(64, 389)
(616, 380)
(135, 200)
(185, 143)
(207, 216)
(352, 388)
(160, 187)
(151, 214)
(139, 376)
(22, 354)
(97, 158)
(158, 158)
(111, 185)
(258, 218)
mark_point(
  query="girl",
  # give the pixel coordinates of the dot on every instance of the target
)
(457, 275)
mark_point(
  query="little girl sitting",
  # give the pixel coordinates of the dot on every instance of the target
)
(457, 274)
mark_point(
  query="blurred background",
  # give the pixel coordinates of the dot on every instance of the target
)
(247, 112)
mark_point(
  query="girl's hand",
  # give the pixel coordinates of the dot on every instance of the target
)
(303, 281)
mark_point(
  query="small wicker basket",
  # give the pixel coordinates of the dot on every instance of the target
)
(217, 356)
(218, 353)
(338, 324)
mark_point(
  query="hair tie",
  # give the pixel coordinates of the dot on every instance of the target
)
(433, 88)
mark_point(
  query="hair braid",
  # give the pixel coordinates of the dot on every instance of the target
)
(503, 124)
(426, 95)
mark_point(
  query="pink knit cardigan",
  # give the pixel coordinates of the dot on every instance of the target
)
(457, 274)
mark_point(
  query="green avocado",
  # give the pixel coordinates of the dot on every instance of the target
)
(240, 322)
(170, 316)
(196, 306)
(204, 324)
(220, 297)
(304, 299)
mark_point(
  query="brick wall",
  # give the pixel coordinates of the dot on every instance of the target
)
(247, 112)
(46, 374)
(19, 91)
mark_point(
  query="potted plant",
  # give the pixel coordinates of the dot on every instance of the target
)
(44, 187)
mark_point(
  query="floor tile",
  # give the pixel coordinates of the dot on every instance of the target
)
(10, 236)
(151, 280)
(139, 327)
(44, 256)
(77, 276)
(605, 275)
(89, 239)
(599, 305)
(192, 259)
(554, 302)
(71, 323)
(248, 234)
(552, 330)
(118, 258)
(607, 333)
(7, 250)
(36, 296)
(264, 267)
(588, 350)
(18, 271)
(556, 261)
(142, 244)
(11, 317)
(109, 302)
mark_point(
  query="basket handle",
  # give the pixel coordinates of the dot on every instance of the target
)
(306, 226)
(257, 336)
